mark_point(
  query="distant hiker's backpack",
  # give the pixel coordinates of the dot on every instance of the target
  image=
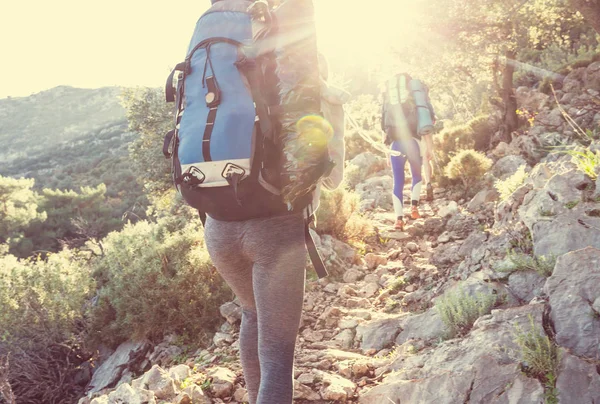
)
(249, 140)
(407, 111)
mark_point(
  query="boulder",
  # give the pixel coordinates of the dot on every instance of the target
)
(378, 334)
(572, 289)
(507, 166)
(578, 381)
(158, 381)
(111, 370)
(130, 395)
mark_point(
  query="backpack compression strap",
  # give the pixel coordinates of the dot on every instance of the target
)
(313, 253)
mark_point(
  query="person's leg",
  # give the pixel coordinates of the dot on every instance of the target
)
(415, 161)
(277, 248)
(223, 241)
(398, 163)
(427, 171)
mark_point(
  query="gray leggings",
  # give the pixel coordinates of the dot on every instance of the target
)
(263, 261)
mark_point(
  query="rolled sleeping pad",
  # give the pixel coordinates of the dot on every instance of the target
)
(425, 121)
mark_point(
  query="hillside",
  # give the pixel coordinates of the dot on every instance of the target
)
(67, 138)
(487, 299)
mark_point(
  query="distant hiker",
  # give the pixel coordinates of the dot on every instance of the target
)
(250, 150)
(407, 120)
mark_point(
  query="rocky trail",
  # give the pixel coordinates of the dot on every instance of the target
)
(517, 281)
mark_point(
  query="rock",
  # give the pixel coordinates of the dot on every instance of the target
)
(231, 312)
(158, 381)
(307, 378)
(578, 381)
(331, 288)
(445, 255)
(369, 290)
(482, 198)
(373, 260)
(360, 369)
(353, 276)
(196, 394)
(127, 394)
(336, 388)
(371, 278)
(378, 334)
(348, 323)
(448, 210)
(444, 238)
(302, 392)
(358, 303)
(591, 77)
(223, 381)
(179, 373)
(241, 395)
(526, 285)
(475, 240)
(347, 291)
(434, 225)
(469, 370)
(572, 290)
(312, 335)
(164, 354)
(97, 400)
(221, 339)
(427, 326)
(412, 247)
(345, 338)
(507, 166)
(461, 226)
(110, 371)
(395, 235)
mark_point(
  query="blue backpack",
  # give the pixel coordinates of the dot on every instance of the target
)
(240, 96)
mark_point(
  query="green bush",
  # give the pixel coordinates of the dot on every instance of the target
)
(468, 166)
(459, 310)
(339, 216)
(41, 322)
(156, 279)
(526, 262)
(511, 184)
(540, 356)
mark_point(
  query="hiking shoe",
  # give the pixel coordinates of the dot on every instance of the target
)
(415, 212)
(429, 197)
(399, 225)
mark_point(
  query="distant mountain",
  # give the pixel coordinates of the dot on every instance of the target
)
(69, 137)
(43, 121)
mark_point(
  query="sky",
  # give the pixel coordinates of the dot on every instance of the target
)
(87, 44)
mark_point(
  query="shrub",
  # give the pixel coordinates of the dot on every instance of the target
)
(511, 184)
(339, 216)
(468, 166)
(525, 262)
(587, 161)
(459, 310)
(540, 357)
(156, 279)
(42, 304)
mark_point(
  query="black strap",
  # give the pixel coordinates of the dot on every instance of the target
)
(249, 69)
(167, 143)
(234, 180)
(202, 217)
(210, 123)
(169, 88)
(313, 253)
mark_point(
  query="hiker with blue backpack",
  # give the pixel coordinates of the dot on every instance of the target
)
(407, 120)
(250, 150)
